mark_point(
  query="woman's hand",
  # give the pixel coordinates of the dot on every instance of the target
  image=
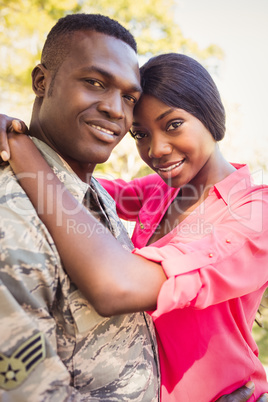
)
(7, 125)
(243, 394)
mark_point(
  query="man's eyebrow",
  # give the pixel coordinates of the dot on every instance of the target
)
(109, 76)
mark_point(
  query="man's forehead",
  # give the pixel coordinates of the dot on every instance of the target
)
(101, 44)
(109, 55)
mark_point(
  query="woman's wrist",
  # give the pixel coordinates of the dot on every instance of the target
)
(19, 144)
(25, 157)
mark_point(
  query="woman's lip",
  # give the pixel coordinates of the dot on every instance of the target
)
(169, 167)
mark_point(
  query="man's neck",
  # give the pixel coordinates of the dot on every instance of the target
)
(83, 170)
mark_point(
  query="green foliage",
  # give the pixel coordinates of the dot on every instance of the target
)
(24, 25)
(260, 329)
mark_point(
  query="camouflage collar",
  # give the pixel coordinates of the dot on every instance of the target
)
(63, 171)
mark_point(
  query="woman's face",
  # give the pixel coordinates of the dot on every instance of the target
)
(173, 142)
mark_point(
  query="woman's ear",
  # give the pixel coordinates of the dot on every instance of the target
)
(39, 80)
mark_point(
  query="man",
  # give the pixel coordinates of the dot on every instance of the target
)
(86, 87)
(53, 345)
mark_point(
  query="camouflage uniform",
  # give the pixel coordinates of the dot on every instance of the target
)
(53, 344)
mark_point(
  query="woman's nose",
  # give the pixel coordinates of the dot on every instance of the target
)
(158, 148)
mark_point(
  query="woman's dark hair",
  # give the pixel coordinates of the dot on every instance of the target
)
(181, 82)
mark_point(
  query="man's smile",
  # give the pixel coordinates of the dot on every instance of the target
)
(102, 129)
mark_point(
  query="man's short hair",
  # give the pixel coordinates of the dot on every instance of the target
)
(56, 46)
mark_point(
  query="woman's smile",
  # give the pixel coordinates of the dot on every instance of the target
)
(169, 170)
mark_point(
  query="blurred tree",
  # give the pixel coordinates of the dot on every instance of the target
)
(23, 28)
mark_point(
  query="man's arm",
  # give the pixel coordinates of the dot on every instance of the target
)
(30, 369)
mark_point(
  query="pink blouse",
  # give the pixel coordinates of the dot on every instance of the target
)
(216, 262)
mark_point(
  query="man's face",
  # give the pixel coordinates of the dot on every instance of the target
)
(91, 105)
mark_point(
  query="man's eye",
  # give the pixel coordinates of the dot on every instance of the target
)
(131, 99)
(95, 83)
(174, 125)
(137, 135)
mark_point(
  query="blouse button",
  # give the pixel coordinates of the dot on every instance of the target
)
(210, 255)
(228, 241)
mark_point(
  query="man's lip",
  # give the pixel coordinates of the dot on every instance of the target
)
(168, 166)
(109, 128)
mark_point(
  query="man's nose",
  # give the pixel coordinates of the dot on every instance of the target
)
(112, 106)
(159, 147)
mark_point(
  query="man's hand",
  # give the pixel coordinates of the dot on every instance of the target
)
(7, 125)
(243, 394)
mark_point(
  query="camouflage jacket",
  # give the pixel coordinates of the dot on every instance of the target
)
(53, 344)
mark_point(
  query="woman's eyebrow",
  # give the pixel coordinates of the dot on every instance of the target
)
(162, 115)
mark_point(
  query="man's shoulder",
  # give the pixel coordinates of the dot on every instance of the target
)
(21, 229)
(6, 174)
(12, 196)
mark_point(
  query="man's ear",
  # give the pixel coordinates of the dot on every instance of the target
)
(39, 80)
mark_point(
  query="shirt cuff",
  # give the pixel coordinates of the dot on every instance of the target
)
(179, 290)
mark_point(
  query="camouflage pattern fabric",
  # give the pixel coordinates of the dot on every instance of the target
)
(53, 344)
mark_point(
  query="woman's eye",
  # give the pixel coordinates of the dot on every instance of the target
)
(174, 125)
(137, 135)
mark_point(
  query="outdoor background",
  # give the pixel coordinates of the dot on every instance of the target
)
(228, 37)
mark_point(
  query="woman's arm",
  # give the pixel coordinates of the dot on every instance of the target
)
(113, 280)
(128, 196)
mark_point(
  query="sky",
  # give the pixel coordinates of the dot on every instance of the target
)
(240, 28)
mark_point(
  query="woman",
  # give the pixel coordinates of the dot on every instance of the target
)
(200, 262)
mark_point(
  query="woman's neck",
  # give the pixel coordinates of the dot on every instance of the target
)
(215, 170)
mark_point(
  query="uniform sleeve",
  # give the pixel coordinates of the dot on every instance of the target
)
(30, 369)
(229, 262)
(128, 196)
